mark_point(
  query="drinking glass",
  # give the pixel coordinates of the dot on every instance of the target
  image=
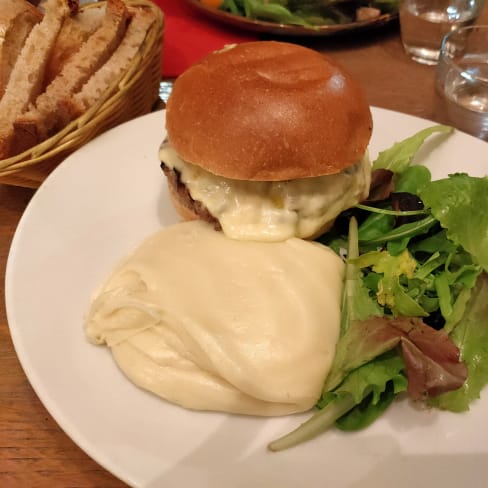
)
(423, 24)
(462, 79)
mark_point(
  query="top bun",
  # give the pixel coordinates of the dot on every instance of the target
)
(268, 111)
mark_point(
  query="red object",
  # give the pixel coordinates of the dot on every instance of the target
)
(189, 36)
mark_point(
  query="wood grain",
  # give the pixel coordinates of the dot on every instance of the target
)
(34, 451)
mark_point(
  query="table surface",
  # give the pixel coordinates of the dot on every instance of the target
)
(34, 451)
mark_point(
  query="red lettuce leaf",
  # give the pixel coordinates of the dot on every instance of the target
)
(432, 360)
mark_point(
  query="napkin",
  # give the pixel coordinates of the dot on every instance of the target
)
(189, 36)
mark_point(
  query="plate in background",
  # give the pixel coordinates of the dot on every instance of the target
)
(285, 29)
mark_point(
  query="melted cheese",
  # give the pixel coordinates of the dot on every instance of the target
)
(272, 211)
(213, 323)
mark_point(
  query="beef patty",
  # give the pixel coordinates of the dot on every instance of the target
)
(174, 181)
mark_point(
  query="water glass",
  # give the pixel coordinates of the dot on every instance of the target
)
(462, 79)
(423, 24)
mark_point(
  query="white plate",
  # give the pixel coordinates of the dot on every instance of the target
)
(100, 203)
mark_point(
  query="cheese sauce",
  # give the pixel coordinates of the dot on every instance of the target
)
(272, 211)
(213, 323)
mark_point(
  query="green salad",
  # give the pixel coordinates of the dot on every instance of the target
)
(309, 13)
(415, 299)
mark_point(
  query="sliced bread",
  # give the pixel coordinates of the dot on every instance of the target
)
(17, 18)
(26, 78)
(74, 32)
(49, 113)
(116, 66)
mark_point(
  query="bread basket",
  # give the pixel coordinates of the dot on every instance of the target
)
(134, 94)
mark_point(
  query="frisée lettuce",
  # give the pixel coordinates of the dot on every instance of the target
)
(415, 299)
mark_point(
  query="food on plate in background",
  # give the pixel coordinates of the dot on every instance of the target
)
(308, 13)
(213, 323)
(266, 140)
(66, 65)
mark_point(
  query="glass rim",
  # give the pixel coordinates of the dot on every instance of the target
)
(449, 60)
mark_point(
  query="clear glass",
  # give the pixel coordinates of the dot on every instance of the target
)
(423, 24)
(462, 79)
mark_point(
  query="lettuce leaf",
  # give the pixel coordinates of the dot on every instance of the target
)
(471, 336)
(390, 293)
(432, 359)
(399, 157)
(374, 382)
(412, 180)
(378, 383)
(460, 204)
(432, 266)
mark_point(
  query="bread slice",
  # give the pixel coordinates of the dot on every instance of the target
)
(49, 113)
(27, 75)
(17, 18)
(74, 32)
(116, 66)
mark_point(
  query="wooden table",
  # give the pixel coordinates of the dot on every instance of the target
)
(34, 451)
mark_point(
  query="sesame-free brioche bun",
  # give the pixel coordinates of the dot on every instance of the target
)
(268, 111)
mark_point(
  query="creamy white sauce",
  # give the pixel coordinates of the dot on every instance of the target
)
(212, 323)
(272, 211)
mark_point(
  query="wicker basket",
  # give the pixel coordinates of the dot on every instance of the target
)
(131, 96)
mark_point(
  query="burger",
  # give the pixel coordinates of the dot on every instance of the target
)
(266, 140)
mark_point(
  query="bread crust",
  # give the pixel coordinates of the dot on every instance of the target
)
(98, 85)
(75, 30)
(26, 78)
(50, 112)
(17, 18)
(268, 111)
